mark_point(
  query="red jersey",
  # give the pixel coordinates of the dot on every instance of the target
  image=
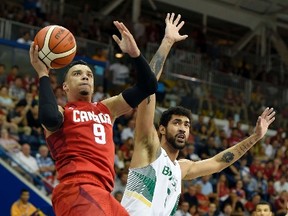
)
(84, 144)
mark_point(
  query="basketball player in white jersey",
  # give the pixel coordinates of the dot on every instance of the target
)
(154, 179)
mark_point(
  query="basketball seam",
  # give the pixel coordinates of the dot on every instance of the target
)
(59, 42)
(51, 50)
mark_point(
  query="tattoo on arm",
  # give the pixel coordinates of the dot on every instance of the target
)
(156, 65)
(227, 157)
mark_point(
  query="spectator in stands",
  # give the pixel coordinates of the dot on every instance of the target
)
(12, 127)
(3, 76)
(209, 149)
(281, 204)
(120, 182)
(13, 73)
(222, 188)
(128, 131)
(278, 167)
(99, 94)
(227, 210)
(240, 192)
(127, 148)
(32, 121)
(234, 201)
(25, 38)
(190, 195)
(46, 168)
(26, 160)
(268, 147)
(229, 126)
(212, 128)
(191, 154)
(260, 185)
(16, 90)
(212, 210)
(229, 103)
(203, 94)
(255, 166)
(120, 74)
(193, 210)
(33, 89)
(183, 209)
(45, 163)
(23, 207)
(234, 137)
(263, 208)
(119, 161)
(207, 187)
(203, 200)
(8, 143)
(6, 102)
(281, 184)
(250, 205)
(244, 170)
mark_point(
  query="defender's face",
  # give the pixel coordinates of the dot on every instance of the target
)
(263, 210)
(79, 81)
(177, 131)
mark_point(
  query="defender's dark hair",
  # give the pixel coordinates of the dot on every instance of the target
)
(178, 110)
(78, 62)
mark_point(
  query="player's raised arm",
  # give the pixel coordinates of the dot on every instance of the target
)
(191, 170)
(146, 139)
(49, 115)
(146, 83)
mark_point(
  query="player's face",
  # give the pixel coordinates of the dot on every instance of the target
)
(177, 131)
(263, 210)
(79, 81)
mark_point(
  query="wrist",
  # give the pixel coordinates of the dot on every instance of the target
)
(255, 137)
(40, 75)
(168, 41)
(135, 54)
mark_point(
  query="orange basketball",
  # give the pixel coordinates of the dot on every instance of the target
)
(57, 46)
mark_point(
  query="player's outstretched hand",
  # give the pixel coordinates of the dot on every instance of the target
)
(263, 122)
(38, 65)
(127, 42)
(173, 27)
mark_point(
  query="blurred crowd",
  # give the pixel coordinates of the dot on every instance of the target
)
(260, 175)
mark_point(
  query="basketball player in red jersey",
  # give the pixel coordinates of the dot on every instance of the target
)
(79, 135)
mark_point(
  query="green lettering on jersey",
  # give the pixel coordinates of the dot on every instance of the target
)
(166, 171)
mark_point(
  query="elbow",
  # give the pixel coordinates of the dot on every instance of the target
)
(152, 86)
(51, 121)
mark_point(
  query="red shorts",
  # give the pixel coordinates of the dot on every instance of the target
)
(81, 196)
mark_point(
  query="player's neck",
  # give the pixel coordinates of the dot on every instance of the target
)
(171, 152)
(81, 98)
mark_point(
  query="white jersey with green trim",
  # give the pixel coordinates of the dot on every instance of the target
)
(153, 190)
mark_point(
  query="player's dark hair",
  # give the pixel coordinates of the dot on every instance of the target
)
(78, 62)
(178, 110)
